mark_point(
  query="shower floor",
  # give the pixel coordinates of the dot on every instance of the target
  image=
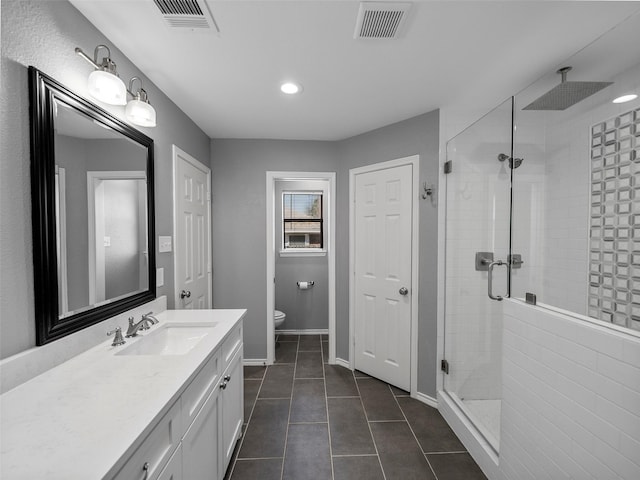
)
(486, 415)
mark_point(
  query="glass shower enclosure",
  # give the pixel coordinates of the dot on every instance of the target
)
(478, 218)
(543, 201)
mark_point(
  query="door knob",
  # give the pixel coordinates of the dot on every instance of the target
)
(403, 291)
(185, 293)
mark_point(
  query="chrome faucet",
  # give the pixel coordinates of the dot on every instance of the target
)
(149, 316)
(143, 324)
(147, 320)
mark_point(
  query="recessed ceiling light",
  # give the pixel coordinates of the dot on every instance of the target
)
(290, 88)
(625, 98)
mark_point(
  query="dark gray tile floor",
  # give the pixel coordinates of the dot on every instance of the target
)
(306, 419)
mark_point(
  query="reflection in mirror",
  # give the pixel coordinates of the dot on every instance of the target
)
(93, 210)
(101, 213)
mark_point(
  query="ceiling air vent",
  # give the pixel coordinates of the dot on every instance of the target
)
(186, 14)
(381, 19)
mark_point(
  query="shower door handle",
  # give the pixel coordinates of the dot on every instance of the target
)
(490, 280)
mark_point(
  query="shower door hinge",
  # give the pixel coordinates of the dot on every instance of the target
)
(448, 166)
(444, 366)
(530, 298)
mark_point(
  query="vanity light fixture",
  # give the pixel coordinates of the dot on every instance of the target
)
(104, 83)
(290, 88)
(139, 111)
(625, 98)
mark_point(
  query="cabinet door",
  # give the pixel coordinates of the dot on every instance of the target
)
(232, 407)
(200, 445)
(149, 459)
(173, 470)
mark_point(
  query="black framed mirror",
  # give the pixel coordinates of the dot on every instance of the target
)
(92, 211)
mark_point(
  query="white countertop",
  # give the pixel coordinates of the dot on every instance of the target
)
(81, 419)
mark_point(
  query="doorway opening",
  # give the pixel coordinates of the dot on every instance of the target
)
(317, 189)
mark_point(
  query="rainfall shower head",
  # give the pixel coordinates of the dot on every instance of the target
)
(566, 94)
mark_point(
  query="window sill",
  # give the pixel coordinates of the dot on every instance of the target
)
(303, 253)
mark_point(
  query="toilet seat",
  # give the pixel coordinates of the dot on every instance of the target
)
(278, 318)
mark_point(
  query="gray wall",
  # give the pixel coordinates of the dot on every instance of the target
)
(239, 217)
(305, 309)
(45, 34)
(418, 135)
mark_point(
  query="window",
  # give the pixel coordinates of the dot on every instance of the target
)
(302, 221)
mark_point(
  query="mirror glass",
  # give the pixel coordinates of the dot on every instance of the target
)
(101, 212)
(93, 211)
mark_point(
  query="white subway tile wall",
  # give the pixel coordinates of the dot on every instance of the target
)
(571, 398)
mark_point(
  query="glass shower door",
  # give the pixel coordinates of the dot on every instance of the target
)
(478, 213)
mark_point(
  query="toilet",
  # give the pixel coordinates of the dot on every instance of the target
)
(278, 318)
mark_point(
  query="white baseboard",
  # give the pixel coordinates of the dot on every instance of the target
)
(315, 331)
(343, 363)
(426, 399)
(254, 362)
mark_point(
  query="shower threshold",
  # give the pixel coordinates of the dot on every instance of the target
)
(485, 416)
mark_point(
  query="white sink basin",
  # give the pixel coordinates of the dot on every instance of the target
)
(170, 339)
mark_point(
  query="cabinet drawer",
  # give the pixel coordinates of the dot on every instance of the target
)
(155, 450)
(231, 345)
(201, 386)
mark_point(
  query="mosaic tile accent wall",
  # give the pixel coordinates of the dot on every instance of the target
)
(614, 257)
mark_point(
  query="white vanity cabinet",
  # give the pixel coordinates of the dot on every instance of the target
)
(118, 413)
(232, 387)
(173, 469)
(201, 443)
(232, 408)
(196, 438)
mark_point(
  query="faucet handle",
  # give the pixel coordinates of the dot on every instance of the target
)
(117, 339)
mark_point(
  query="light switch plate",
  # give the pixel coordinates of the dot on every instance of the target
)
(159, 277)
(164, 244)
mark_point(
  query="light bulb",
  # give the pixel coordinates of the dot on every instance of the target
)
(141, 113)
(107, 88)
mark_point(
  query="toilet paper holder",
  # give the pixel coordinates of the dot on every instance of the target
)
(305, 285)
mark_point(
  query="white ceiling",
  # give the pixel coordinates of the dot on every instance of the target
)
(452, 53)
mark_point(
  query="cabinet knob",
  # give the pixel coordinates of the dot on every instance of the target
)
(223, 385)
(227, 378)
(145, 468)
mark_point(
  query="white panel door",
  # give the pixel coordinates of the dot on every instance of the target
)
(383, 219)
(192, 236)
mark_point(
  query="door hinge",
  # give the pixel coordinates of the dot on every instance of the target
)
(208, 196)
(448, 166)
(444, 366)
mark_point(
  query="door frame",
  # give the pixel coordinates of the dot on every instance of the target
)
(176, 153)
(61, 240)
(330, 178)
(414, 161)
